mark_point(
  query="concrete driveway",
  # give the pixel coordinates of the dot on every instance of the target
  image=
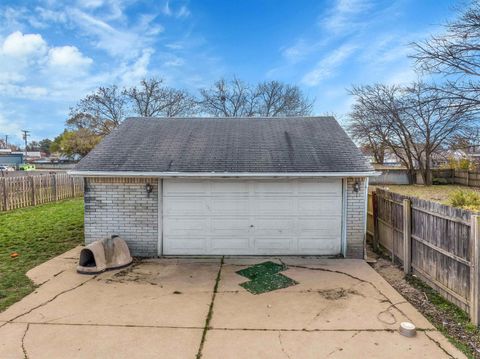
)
(160, 308)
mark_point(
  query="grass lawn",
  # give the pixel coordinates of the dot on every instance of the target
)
(37, 234)
(437, 193)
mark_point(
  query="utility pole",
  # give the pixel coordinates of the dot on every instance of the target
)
(25, 137)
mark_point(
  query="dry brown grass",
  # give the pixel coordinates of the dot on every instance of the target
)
(440, 193)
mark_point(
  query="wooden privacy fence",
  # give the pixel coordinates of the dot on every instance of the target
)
(439, 244)
(453, 176)
(467, 178)
(25, 191)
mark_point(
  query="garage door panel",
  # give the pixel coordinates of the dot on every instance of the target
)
(272, 243)
(230, 225)
(229, 206)
(273, 188)
(327, 246)
(230, 188)
(319, 227)
(247, 217)
(183, 226)
(320, 188)
(178, 206)
(273, 206)
(229, 244)
(318, 206)
(186, 188)
(182, 245)
(274, 226)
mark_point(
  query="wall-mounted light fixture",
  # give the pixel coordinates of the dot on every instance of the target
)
(356, 187)
(149, 189)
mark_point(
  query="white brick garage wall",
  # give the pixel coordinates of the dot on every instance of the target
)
(355, 218)
(122, 206)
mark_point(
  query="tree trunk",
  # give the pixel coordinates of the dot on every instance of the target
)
(411, 176)
(428, 172)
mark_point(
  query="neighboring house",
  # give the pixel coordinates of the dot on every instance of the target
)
(8, 158)
(473, 153)
(32, 155)
(228, 186)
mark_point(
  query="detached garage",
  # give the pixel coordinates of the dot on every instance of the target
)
(223, 186)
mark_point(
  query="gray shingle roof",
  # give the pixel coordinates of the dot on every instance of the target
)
(306, 144)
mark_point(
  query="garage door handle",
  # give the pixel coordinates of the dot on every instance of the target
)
(251, 226)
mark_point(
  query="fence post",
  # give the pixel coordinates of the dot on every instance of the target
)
(407, 236)
(73, 186)
(32, 184)
(474, 269)
(5, 194)
(54, 178)
(375, 221)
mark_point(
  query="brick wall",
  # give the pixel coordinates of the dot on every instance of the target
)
(121, 206)
(355, 217)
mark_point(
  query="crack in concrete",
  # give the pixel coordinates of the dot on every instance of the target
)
(356, 278)
(437, 343)
(284, 351)
(46, 302)
(316, 330)
(210, 312)
(25, 355)
(337, 349)
(217, 328)
(49, 279)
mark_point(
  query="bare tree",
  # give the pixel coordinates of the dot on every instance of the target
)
(236, 98)
(363, 130)
(413, 122)
(232, 98)
(152, 99)
(99, 112)
(455, 54)
(434, 122)
(278, 99)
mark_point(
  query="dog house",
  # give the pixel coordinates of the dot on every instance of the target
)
(105, 254)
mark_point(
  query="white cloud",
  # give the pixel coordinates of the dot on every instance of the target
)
(33, 69)
(21, 45)
(68, 57)
(132, 74)
(174, 62)
(166, 9)
(327, 66)
(183, 12)
(10, 124)
(346, 15)
(297, 52)
(120, 42)
(91, 3)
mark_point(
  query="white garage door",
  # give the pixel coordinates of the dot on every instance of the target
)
(252, 217)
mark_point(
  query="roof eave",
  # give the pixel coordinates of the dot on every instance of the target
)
(81, 173)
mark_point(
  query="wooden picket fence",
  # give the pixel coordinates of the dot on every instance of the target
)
(25, 191)
(439, 244)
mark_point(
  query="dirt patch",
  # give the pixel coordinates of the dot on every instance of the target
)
(337, 293)
(445, 316)
(134, 273)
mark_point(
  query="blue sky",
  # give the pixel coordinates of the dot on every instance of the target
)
(52, 53)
